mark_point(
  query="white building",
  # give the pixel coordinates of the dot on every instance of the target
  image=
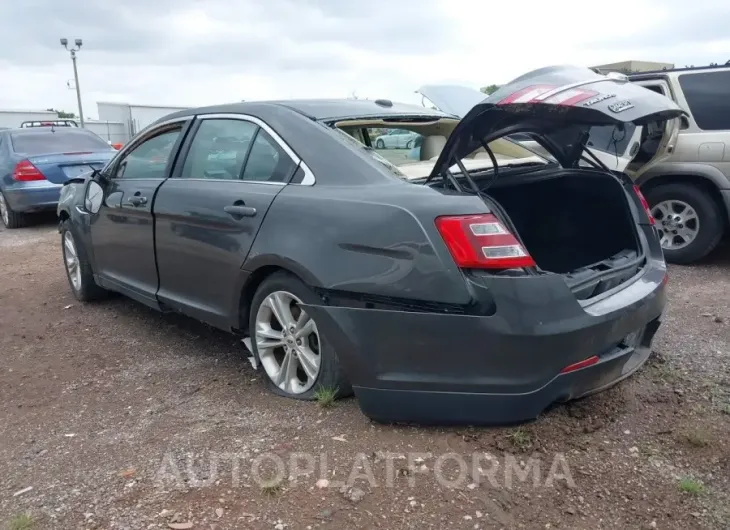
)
(11, 118)
(117, 123)
(133, 118)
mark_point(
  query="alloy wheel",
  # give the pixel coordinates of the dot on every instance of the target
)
(71, 257)
(4, 210)
(677, 223)
(288, 344)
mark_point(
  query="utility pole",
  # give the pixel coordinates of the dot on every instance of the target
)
(78, 43)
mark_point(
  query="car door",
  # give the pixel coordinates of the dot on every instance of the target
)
(122, 232)
(668, 141)
(207, 215)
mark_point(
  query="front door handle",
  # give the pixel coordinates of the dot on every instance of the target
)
(239, 211)
(136, 200)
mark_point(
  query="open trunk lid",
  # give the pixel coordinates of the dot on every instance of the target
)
(557, 106)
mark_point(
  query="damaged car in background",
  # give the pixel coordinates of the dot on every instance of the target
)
(478, 284)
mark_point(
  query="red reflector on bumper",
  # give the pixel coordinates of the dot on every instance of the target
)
(590, 361)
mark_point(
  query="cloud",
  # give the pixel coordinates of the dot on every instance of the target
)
(196, 52)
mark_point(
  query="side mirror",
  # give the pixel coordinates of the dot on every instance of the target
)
(93, 196)
(683, 122)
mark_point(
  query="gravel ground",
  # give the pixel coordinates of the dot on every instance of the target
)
(116, 417)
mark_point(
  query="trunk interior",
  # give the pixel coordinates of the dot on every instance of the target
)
(570, 221)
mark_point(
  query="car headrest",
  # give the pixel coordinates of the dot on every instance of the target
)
(432, 146)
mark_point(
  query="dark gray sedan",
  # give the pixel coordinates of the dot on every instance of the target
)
(478, 284)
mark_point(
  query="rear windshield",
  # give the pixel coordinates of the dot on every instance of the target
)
(57, 141)
(410, 150)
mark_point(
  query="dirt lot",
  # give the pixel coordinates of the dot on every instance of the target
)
(114, 416)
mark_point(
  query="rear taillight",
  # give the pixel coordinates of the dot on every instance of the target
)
(25, 171)
(482, 242)
(644, 203)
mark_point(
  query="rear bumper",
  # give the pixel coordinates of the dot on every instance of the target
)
(505, 368)
(33, 196)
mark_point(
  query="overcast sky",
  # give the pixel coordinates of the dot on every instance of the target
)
(199, 52)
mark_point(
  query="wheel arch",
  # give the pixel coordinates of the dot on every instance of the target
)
(700, 180)
(255, 272)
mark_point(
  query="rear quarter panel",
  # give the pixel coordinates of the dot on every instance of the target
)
(379, 240)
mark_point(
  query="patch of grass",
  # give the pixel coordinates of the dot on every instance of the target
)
(325, 396)
(697, 437)
(521, 439)
(691, 486)
(271, 488)
(649, 450)
(667, 373)
(22, 521)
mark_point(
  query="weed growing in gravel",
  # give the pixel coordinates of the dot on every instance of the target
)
(271, 488)
(521, 439)
(21, 522)
(697, 437)
(668, 373)
(691, 486)
(325, 396)
(649, 450)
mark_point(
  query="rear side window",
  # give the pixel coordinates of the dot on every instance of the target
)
(61, 140)
(219, 149)
(267, 161)
(708, 97)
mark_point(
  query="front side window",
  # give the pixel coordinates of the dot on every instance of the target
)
(150, 158)
(219, 149)
(267, 161)
(707, 95)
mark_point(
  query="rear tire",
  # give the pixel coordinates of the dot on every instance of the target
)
(711, 224)
(330, 376)
(380, 144)
(80, 277)
(10, 218)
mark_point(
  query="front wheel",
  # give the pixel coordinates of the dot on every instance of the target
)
(688, 219)
(78, 270)
(380, 144)
(409, 144)
(296, 358)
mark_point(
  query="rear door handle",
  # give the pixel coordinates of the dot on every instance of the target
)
(137, 201)
(239, 211)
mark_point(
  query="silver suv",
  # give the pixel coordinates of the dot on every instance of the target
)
(683, 166)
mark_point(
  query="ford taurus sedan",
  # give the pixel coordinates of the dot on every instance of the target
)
(478, 284)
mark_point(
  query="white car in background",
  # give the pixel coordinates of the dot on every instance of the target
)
(395, 139)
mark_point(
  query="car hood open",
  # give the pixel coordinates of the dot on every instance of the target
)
(557, 106)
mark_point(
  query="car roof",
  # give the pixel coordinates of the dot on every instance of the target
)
(320, 109)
